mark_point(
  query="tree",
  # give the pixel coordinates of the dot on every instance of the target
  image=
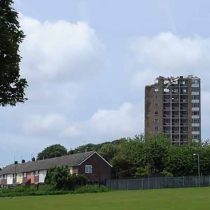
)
(60, 178)
(57, 177)
(11, 85)
(156, 153)
(55, 150)
(108, 151)
(181, 161)
(122, 167)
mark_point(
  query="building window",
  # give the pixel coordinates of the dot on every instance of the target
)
(195, 120)
(156, 89)
(195, 81)
(156, 120)
(195, 128)
(88, 169)
(195, 136)
(195, 97)
(195, 112)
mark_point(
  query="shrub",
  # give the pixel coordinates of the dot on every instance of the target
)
(91, 189)
(60, 179)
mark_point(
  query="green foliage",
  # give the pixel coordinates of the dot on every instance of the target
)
(108, 151)
(55, 150)
(60, 179)
(166, 173)
(151, 156)
(91, 189)
(142, 171)
(33, 190)
(122, 166)
(96, 147)
(181, 161)
(11, 85)
(79, 183)
(156, 153)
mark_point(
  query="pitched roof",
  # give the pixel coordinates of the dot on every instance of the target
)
(70, 160)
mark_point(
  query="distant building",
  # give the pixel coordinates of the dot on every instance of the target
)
(173, 107)
(90, 164)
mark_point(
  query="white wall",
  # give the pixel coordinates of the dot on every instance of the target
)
(10, 179)
(42, 175)
(19, 178)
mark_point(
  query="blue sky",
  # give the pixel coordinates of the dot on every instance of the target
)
(87, 63)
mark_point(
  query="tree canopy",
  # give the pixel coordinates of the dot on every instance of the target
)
(12, 87)
(55, 150)
(144, 156)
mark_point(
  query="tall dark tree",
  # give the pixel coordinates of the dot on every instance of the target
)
(52, 151)
(11, 85)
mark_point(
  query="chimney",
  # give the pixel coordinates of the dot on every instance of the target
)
(23, 161)
(33, 159)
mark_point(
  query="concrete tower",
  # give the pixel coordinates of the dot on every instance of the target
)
(173, 107)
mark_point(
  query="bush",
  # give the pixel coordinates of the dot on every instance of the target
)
(91, 189)
(60, 179)
(75, 181)
(32, 190)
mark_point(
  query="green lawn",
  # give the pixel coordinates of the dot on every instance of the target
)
(164, 199)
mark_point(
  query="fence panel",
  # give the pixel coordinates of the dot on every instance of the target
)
(158, 182)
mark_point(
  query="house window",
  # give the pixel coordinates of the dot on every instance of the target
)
(88, 169)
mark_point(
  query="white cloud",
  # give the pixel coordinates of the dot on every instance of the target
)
(104, 124)
(60, 50)
(109, 124)
(167, 54)
(43, 125)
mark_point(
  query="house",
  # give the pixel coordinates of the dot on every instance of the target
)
(90, 164)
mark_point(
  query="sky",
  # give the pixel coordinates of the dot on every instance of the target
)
(87, 63)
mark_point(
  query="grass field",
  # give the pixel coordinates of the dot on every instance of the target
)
(164, 199)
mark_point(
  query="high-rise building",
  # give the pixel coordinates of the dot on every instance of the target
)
(173, 107)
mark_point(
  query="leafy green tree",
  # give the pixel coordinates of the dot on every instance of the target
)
(108, 151)
(85, 148)
(60, 178)
(133, 150)
(55, 150)
(181, 161)
(11, 85)
(156, 153)
(204, 153)
(142, 171)
(122, 167)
